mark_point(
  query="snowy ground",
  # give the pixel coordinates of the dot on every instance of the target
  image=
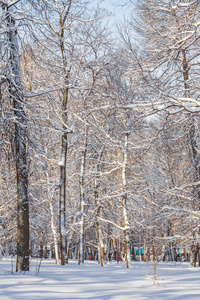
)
(91, 281)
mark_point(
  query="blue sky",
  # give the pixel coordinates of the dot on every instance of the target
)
(114, 6)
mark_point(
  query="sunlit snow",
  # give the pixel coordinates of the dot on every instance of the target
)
(91, 281)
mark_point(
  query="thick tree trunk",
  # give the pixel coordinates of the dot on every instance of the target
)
(16, 95)
(194, 254)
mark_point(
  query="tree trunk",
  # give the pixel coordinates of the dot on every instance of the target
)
(109, 248)
(124, 204)
(82, 200)
(193, 130)
(194, 254)
(62, 163)
(62, 200)
(53, 229)
(98, 209)
(154, 264)
(16, 95)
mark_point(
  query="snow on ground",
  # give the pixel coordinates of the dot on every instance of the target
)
(91, 281)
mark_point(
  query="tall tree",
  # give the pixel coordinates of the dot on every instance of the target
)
(15, 90)
(171, 35)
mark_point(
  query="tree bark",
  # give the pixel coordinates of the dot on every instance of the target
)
(194, 254)
(194, 150)
(62, 201)
(98, 209)
(124, 203)
(16, 95)
(82, 200)
(53, 229)
(63, 162)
